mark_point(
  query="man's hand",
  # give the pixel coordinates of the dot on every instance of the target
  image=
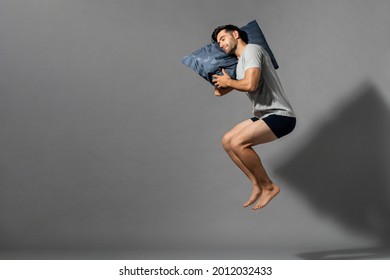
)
(222, 91)
(249, 83)
(222, 81)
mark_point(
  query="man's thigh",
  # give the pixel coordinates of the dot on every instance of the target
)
(237, 128)
(255, 133)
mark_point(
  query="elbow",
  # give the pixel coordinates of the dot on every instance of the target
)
(252, 84)
(252, 88)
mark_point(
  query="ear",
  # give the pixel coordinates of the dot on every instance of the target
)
(236, 35)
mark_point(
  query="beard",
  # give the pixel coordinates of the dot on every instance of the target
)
(231, 49)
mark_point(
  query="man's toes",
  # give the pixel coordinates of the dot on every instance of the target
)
(252, 199)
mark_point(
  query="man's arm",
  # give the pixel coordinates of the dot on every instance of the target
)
(249, 83)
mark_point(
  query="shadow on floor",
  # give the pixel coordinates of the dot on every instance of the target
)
(343, 171)
(381, 252)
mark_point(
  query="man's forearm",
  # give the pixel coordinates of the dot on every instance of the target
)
(242, 85)
(249, 83)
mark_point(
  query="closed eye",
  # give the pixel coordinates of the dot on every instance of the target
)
(221, 39)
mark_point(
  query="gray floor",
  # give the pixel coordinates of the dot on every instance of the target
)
(363, 253)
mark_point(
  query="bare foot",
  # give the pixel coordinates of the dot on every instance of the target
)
(256, 193)
(266, 196)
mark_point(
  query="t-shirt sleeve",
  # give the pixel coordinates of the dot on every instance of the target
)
(253, 57)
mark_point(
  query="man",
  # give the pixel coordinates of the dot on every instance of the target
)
(273, 114)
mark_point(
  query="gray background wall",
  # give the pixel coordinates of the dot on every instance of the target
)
(110, 147)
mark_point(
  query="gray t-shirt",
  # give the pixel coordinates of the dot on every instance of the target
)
(269, 97)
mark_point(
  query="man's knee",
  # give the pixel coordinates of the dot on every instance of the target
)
(237, 144)
(226, 139)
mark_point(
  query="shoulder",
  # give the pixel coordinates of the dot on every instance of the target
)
(253, 51)
(253, 48)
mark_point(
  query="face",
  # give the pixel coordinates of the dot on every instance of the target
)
(227, 41)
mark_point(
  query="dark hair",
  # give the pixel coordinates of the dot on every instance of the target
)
(228, 28)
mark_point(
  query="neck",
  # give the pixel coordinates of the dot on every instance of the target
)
(240, 48)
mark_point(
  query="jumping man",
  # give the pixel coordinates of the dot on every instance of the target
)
(273, 115)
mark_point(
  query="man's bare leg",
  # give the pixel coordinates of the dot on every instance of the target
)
(226, 141)
(251, 135)
(256, 192)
